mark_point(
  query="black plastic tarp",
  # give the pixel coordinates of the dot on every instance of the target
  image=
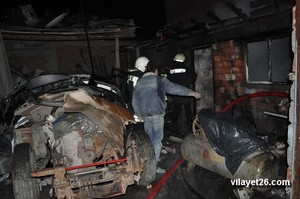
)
(231, 139)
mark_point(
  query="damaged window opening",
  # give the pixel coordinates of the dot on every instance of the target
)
(269, 61)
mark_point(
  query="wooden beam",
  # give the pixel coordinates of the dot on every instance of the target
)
(266, 10)
(10, 33)
(236, 10)
(214, 17)
(246, 29)
(259, 3)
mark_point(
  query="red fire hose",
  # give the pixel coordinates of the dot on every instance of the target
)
(164, 179)
(259, 94)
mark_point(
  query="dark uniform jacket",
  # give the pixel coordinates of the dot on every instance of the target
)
(184, 76)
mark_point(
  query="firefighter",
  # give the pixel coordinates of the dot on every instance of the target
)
(183, 75)
(134, 75)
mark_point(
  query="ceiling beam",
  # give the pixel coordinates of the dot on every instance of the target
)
(66, 34)
(259, 3)
(266, 25)
(214, 17)
(236, 10)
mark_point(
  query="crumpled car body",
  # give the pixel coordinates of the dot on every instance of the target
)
(76, 137)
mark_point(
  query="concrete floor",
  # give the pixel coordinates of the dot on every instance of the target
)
(196, 184)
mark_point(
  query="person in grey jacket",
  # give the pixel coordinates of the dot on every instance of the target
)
(149, 104)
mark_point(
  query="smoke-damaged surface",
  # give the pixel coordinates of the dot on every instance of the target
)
(230, 139)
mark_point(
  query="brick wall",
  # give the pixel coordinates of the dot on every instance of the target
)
(229, 72)
(230, 83)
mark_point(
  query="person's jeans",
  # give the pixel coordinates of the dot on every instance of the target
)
(154, 127)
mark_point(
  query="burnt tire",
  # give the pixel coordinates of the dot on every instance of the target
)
(145, 148)
(24, 186)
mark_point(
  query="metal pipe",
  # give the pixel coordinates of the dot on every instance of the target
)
(95, 164)
(89, 172)
(51, 171)
(275, 114)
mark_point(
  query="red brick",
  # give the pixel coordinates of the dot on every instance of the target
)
(224, 44)
(296, 185)
(226, 70)
(242, 81)
(220, 77)
(228, 51)
(228, 84)
(236, 56)
(240, 76)
(218, 64)
(227, 64)
(238, 69)
(225, 58)
(297, 165)
(239, 63)
(230, 77)
(217, 70)
(217, 58)
(217, 53)
(298, 151)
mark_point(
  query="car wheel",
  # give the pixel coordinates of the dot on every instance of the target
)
(24, 185)
(145, 148)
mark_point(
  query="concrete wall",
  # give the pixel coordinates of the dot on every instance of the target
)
(64, 56)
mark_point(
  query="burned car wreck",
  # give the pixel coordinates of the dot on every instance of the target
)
(76, 137)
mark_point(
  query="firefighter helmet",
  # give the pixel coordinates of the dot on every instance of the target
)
(141, 63)
(179, 57)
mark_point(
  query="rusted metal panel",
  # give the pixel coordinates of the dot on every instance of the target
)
(113, 117)
(125, 114)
